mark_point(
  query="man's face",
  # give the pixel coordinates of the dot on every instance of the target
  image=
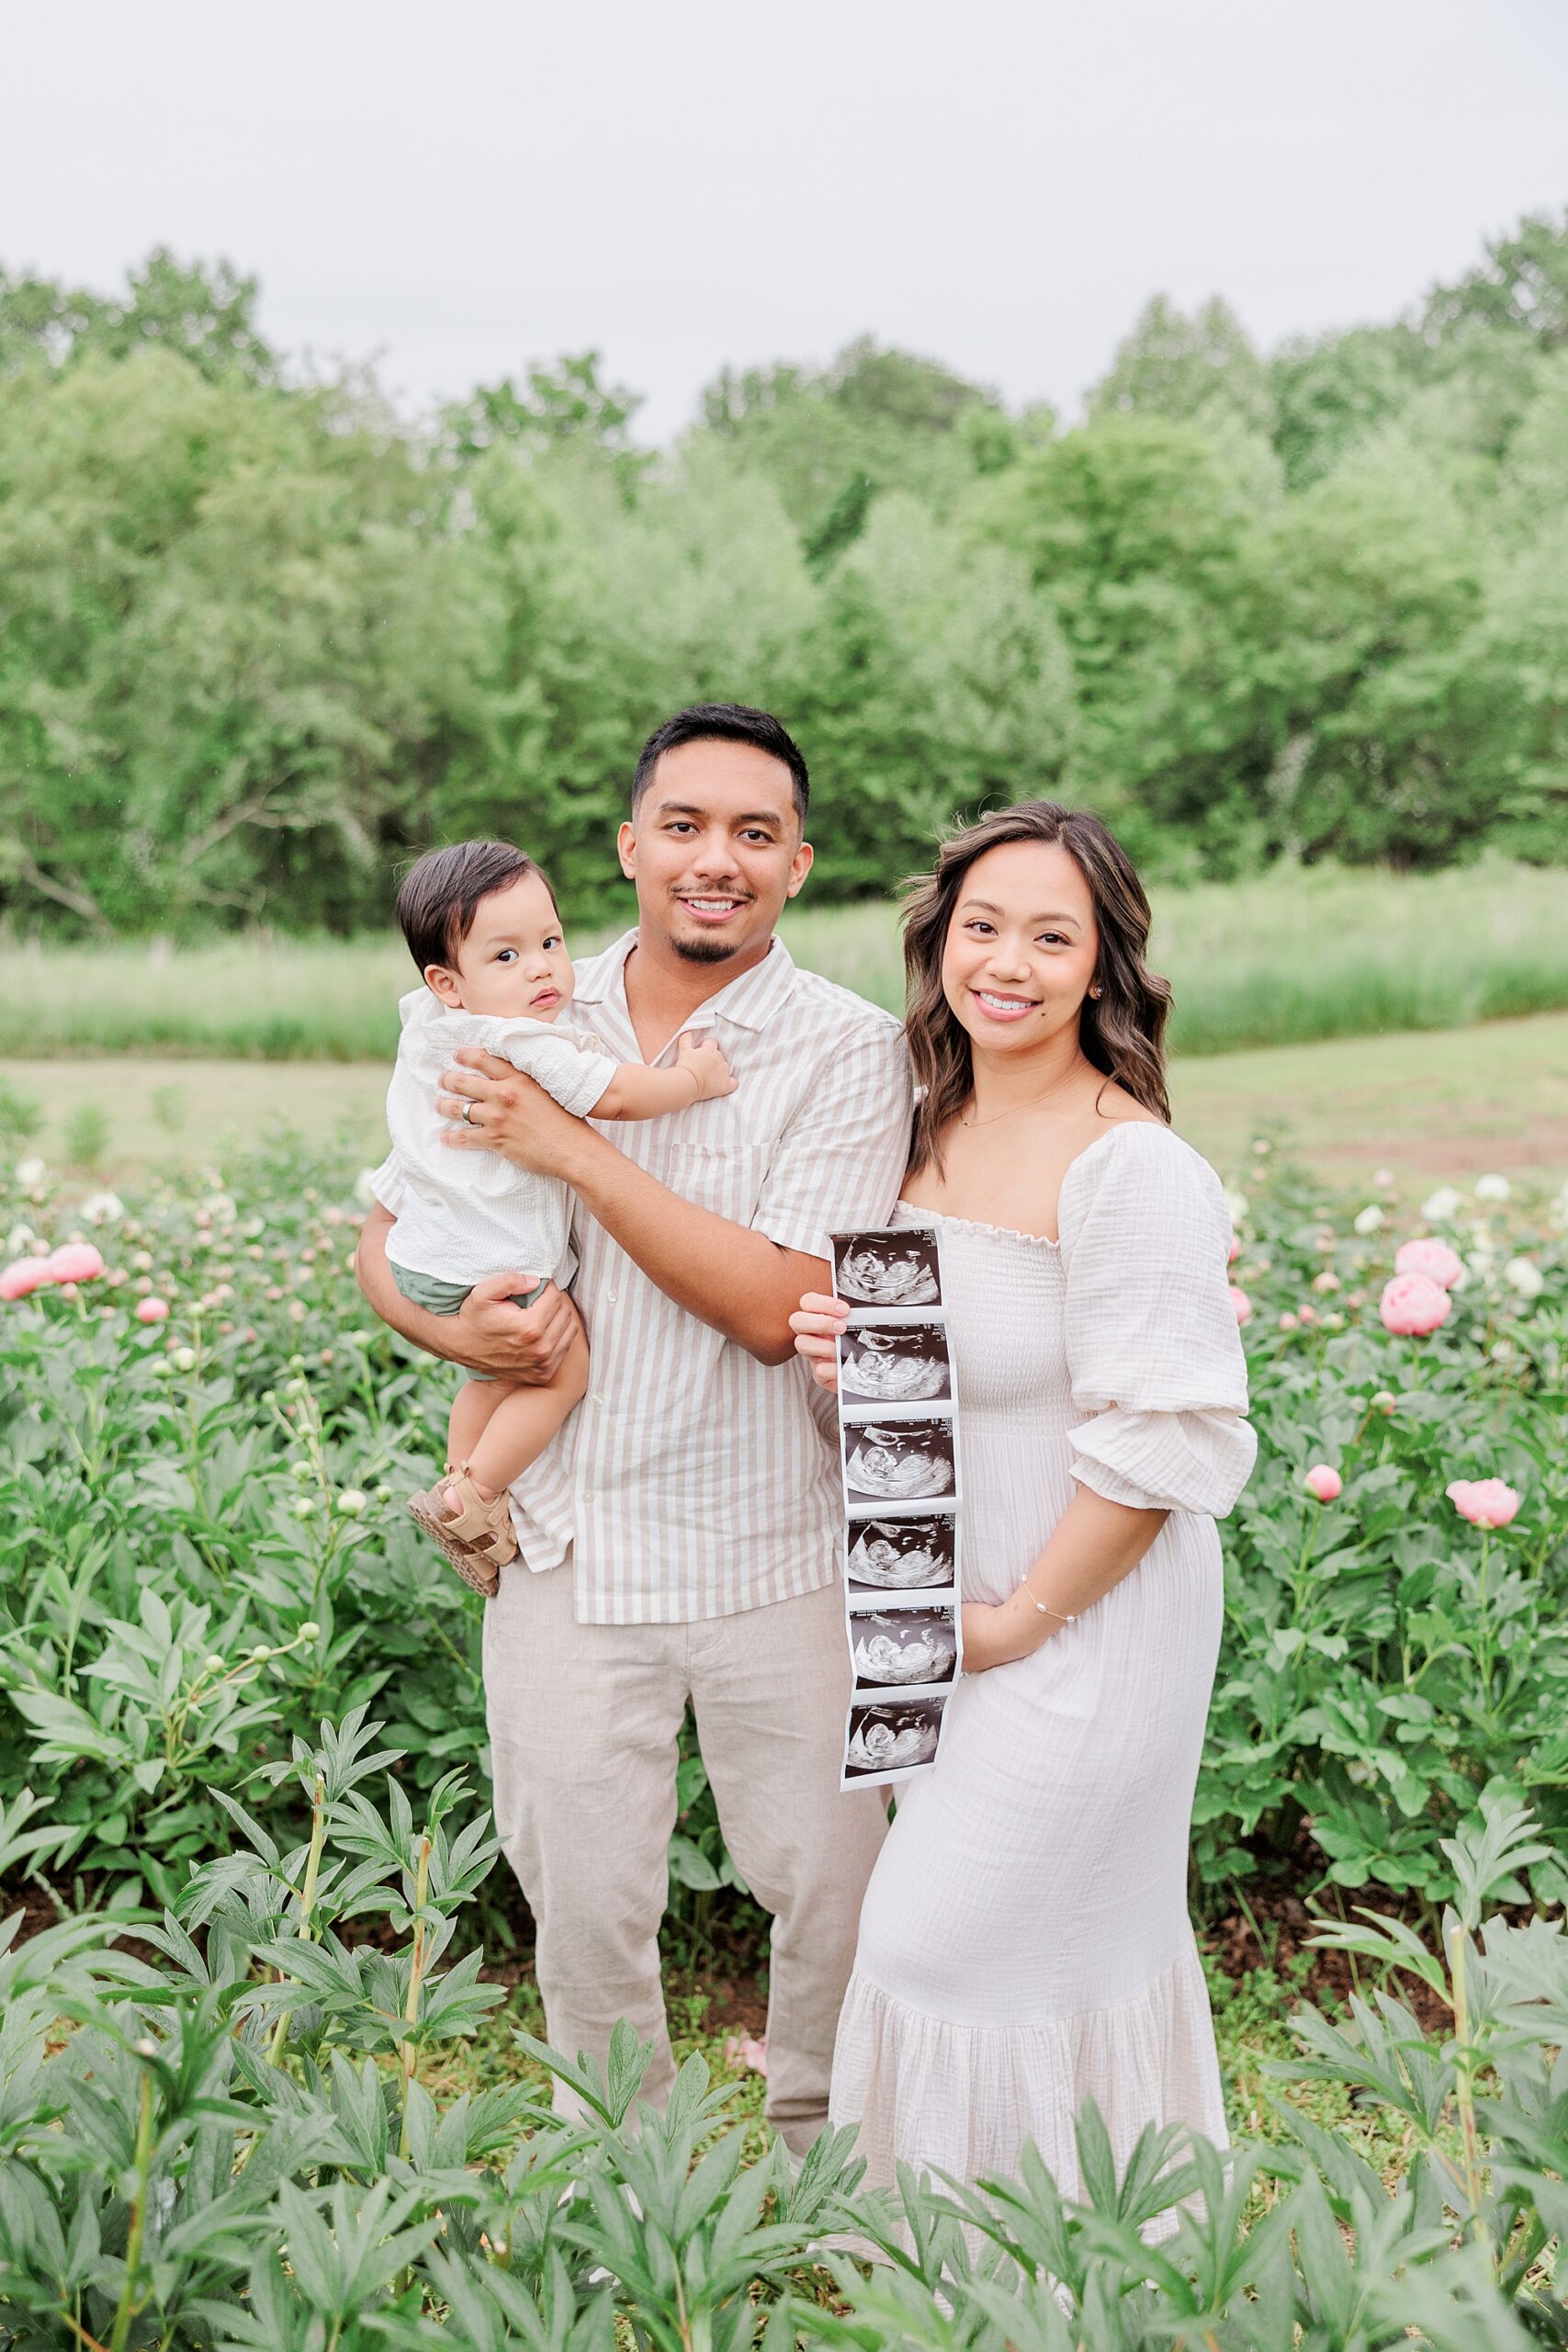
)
(714, 849)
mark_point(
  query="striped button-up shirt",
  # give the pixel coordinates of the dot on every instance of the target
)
(694, 1481)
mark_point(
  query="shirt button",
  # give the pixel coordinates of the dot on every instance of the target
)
(612, 1295)
(588, 1494)
(598, 1396)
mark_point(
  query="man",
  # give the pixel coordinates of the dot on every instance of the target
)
(689, 1513)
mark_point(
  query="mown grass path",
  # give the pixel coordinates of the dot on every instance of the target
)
(1426, 1103)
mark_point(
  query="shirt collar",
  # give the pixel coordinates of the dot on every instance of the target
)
(749, 1001)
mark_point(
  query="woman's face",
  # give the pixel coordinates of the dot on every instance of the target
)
(1021, 947)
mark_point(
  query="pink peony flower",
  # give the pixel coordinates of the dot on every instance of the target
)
(24, 1275)
(1241, 1304)
(1434, 1258)
(1323, 1482)
(1485, 1502)
(1412, 1305)
(747, 2050)
(152, 1310)
(76, 1262)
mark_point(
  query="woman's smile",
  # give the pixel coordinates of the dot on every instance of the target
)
(997, 1007)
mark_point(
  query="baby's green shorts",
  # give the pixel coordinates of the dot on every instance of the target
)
(440, 1297)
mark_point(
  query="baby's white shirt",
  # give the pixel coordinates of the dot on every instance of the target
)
(463, 1215)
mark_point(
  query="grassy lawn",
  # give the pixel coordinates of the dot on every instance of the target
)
(1431, 1103)
(1281, 959)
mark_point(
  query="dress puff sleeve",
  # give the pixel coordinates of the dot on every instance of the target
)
(1154, 1354)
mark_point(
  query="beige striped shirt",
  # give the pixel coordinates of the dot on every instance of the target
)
(694, 1481)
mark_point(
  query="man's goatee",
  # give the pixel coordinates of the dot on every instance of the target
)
(706, 951)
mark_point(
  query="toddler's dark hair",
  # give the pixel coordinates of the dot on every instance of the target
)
(441, 895)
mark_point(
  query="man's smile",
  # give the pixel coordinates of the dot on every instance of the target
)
(716, 908)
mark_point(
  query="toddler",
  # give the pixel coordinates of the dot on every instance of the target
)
(481, 924)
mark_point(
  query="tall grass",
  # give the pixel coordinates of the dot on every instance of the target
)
(1281, 960)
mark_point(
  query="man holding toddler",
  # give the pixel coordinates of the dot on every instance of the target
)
(680, 1536)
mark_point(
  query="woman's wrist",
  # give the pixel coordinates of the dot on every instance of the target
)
(1030, 1631)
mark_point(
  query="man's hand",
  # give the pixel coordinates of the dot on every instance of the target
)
(507, 1112)
(523, 1343)
(488, 1333)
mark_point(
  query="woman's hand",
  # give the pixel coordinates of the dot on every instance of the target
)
(817, 1323)
(1000, 1636)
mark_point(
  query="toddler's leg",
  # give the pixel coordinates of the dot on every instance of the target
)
(523, 1422)
(496, 1429)
(472, 1408)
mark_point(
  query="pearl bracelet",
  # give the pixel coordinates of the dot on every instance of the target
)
(1060, 1615)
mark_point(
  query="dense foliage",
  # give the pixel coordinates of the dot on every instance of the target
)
(236, 2144)
(182, 1498)
(261, 637)
(245, 1714)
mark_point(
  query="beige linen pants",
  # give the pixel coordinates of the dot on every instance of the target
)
(583, 1727)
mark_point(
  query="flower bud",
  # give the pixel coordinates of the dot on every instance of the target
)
(351, 1502)
(310, 1629)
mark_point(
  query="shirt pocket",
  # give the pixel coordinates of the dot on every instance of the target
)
(724, 1178)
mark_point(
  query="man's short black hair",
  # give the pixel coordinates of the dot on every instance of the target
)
(441, 895)
(725, 722)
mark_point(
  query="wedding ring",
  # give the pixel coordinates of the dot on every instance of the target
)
(467, 1112)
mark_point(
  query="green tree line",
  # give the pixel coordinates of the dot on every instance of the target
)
(262, 639)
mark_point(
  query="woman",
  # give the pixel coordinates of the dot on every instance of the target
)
(1025, 1945)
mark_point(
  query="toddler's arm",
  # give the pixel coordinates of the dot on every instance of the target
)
(700, 1073)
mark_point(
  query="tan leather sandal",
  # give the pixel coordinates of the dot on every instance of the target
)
(476, 1537)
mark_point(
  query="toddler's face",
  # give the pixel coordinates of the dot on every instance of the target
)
(514, 963)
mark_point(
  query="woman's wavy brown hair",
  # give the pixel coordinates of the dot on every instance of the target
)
(1122, 1030)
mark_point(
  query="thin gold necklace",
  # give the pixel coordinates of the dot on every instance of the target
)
(1033, 1104)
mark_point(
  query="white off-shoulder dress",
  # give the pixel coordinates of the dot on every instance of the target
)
(1025, 1944)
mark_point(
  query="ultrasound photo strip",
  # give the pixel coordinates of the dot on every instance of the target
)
(889, 1367)
(894, 1561)
(900, 1464)
(885, 1741)
(893, 1650)
(893, 1275)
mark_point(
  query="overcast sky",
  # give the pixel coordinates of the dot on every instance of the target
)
(454, 189)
